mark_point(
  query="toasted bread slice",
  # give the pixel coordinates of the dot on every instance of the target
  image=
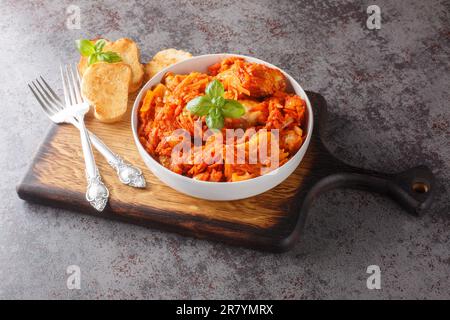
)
(164, 59)
(171, 56)
(105, 86)
(129, 52)
(152, 68)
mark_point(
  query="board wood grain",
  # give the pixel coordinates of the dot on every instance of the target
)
(270, 221)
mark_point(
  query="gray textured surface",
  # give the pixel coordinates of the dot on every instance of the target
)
(389, 94)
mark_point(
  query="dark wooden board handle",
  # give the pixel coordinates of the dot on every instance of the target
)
(412, 188)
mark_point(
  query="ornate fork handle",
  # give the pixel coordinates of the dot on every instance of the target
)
(127, 173)
(97, 194)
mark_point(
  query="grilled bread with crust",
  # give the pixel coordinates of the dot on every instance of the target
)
(128, 50)
(164, 59)
(105, 86)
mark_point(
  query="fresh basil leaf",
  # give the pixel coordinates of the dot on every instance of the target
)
(85, 47)
(114, 57)
(109, 56)
(219, 102)
(99, 45)
(214, 119)
(102, 57)
(199, 106)
(233, 109)
(214, 89)
(93, 58)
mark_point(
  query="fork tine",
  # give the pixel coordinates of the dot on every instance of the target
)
(51, 110)
(36, 96)
(70, 86)
(66, 92)
(50, 101)
(79, 83)
(41, 100)
(78, 76)
(43, 97)
(76, 85)
(59, 104)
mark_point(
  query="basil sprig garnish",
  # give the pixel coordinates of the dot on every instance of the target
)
(94, 51)
(214, 106)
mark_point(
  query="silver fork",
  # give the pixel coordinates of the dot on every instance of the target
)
(97, 194)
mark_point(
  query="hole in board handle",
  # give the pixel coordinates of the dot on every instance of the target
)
(420, 187)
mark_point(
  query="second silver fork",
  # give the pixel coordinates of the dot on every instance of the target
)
(97, 194)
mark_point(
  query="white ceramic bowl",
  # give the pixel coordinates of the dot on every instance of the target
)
(219, 190)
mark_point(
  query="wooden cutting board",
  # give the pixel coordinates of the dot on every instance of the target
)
(270, 221)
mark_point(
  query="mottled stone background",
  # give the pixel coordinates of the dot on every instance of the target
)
(389, 96)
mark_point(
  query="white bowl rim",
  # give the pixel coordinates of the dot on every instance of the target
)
(146, 87)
